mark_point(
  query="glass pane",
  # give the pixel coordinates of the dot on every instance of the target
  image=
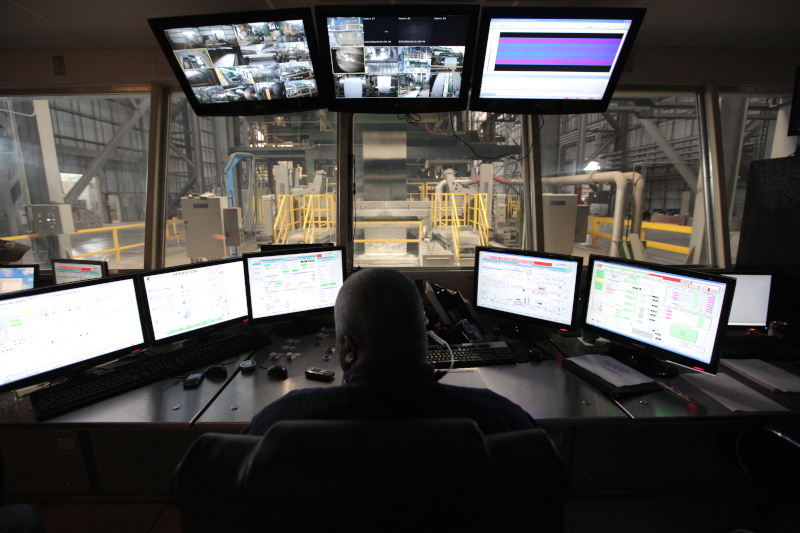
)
(756, 129)
(279, 171)
(423, 197)
(75, 175)
(653, 142)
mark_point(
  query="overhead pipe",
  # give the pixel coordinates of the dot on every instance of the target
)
(620, 179)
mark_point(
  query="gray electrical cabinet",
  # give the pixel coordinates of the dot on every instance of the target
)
(205, 226)
(232, 220)
(51, 219)
(559, 212)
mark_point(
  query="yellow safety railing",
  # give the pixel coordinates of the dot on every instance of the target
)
(285, 220)
(456, 229)
(478, 216)
(391, 223)
(596, 234)
(512, 207)
(441, 209)
(424, 189)
(114, 235)
(320, 210)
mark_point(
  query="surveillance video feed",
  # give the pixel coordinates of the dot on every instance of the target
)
(397, 57)
(253, 61)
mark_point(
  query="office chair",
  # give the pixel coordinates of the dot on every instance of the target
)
(371, 476)
(771, 457)
(20, 517)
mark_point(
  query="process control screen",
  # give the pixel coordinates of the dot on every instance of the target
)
(69, 272)
(53, 330)
(294, 282)
(14, 279)
(193, 298)
(673, 312)
(530, 287)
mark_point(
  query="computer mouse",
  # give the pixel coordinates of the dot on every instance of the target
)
(217, 371)
(278, 372)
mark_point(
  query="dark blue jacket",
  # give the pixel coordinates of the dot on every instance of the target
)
(399, 394)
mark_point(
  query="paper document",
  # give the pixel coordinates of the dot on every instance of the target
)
(765, 374)
(732, 394)
(464, 379)
(611, 370)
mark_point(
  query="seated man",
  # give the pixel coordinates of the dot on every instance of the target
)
(382, 344)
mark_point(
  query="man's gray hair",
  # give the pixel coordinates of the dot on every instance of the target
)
(382, 311)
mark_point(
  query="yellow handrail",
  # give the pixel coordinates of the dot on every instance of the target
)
(456, 230)
(479, 218)
(596, 234)
(314, 214)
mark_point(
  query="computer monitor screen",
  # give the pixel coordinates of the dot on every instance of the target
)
(18, 278)
(750, 300)
(535, 288)
(70, 270)
(192, 299)
(250, 63)
(673, 314)
(396, 59)
(551, 60)
(285, 285)
(49, 332)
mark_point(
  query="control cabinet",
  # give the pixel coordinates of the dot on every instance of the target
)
(232, 220)
(205, 227)
(51, 219)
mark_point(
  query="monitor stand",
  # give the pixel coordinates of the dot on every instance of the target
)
(300, 326)
(523, 331)
(645, 363)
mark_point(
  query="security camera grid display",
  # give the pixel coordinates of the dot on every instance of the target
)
(253, 61)
(397, 57)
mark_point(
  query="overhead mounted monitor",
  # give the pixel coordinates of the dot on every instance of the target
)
(672, 314)
(195, 299)
(250, 63)
(18, 278)
(530, 289)
(396, 59)
(551, 60)
(58, 330)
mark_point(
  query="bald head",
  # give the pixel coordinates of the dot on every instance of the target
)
(379, 320)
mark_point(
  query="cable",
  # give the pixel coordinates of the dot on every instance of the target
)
(412, 118)
(18, 113)
(439, 374)
(477, 155)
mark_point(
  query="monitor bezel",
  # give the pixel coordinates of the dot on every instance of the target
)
(295, 314)
(35, 268)
(396, 105)
(551, 106)
(794, 112)
(81, 366)
(531, 321)
(103, 265)
(247, 108)
(649, 349)
(148, 321)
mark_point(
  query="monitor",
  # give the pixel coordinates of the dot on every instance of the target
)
(290, 247)
(18, 278)
(668, 313)
(551, 60)
(55, 331)
(293, 286)
(397, 59)
(794, 112)
(70, 270)
(249, 63)
(750, 300)
(195, 299)
(531, 289)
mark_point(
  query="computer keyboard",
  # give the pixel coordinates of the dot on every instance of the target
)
(469, 355)
(84, 390)
(759, 347)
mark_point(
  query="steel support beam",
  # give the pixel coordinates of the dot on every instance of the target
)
(672, 155)
(157, 160)
(733, 116)
(105, 153)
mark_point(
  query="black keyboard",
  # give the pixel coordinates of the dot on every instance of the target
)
(759, 347)
(469, 355)
(84, 390)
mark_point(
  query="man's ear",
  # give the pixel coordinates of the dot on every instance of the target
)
(348, 353)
